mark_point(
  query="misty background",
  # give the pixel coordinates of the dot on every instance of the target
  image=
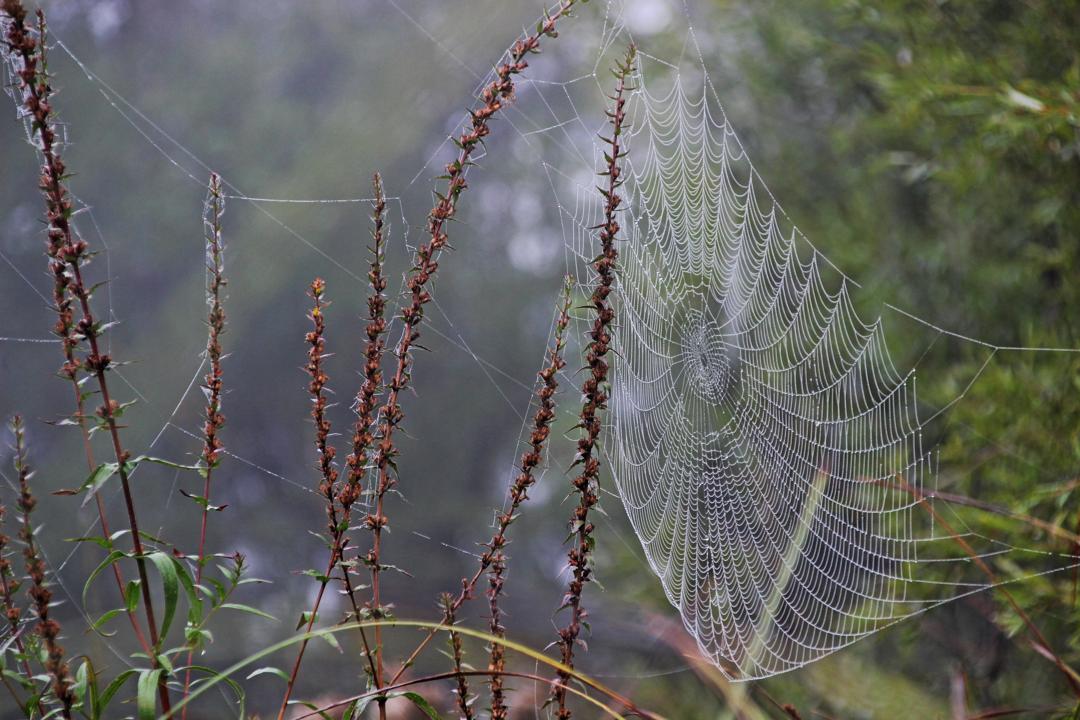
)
(885, 129)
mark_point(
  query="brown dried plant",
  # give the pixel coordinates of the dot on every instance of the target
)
(326, 452)
(213, 420)
(340, 500)
(519, 493)
(595, 389)
(494, 97)
(68, 255)
(47, 629)
(9, 587)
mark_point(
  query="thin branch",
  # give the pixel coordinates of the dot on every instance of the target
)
(367, 400)
(595, 391)
(1037, 639)
(326, 452)
(9, 586)
(47, 628)
(436, 677)
(495, 96)
(457, 655)
(68, 254)
(494, 558)
(214, 420)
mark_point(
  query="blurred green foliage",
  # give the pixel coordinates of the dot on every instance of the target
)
(932, 150)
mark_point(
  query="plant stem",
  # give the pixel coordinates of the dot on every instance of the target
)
(519, 494)
(47, 628)
(595, 391)
(494, 558)
(67, 251)
(367, 400)
(457, 655)
(9, 585)
(215, 265)
(326, 452)
(494, 97)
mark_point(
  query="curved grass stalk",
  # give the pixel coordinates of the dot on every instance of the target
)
(423, 625)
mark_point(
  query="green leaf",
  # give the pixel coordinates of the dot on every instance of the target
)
(94, 482)
(159, 461)
(269, 670)
(131, 595)
(321, 577)
(217, 676)
(248, 609)
(146, 701)
(333, 641)
(104, 619)
(110, 690)
(311, 706)
(87, 677)
(79, 687)
(170, 581)
(109, 560)
(105, 543)
(422, 703)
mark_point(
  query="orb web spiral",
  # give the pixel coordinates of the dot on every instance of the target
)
(767, 451)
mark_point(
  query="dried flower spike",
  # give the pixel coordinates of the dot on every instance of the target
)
(367, 400)
(328, 473)
(68, 254)
(595, 391)
(214, 420)
(457, 655)
(494, 97)
(496, 549)
(47, 628)
(9, 587)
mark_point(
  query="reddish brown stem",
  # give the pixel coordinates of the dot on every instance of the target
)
(494, 558)
(367, 399)
(214, 420)
(367, 403)
(65, 330)
(625, 703)
(494, 97)
(68, 254)
(457, 656)
(326, 452)
(47, 628)
(9, 585)
(545, 414)
(216, 323)
(595, 391)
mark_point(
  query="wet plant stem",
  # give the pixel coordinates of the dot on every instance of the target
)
(595, 390)
(214, 420)
(494, 97)
(68, 254)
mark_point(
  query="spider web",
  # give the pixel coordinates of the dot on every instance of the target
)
(766, 448)
(761, 433)
(768, 452)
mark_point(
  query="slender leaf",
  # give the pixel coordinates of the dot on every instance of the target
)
(248, 609)
(421, 702)
(110, 690)
(170, 581)
(146, 701)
